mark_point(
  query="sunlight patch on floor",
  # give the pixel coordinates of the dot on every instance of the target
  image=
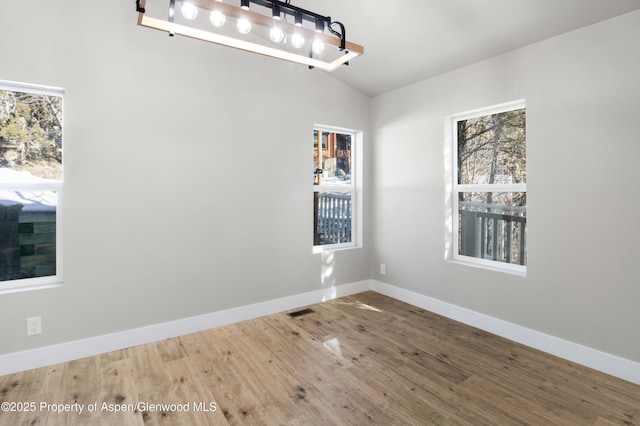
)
(333, 345)
(360, 305)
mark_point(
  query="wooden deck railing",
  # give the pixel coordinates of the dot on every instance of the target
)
(494, 232)
(333, 218)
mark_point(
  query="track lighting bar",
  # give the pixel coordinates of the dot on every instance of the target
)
(287, 36)
(292, 10)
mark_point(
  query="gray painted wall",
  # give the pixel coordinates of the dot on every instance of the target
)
(188, 172)
(583, 146)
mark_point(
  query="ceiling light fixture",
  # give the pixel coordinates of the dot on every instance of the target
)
(273, 35)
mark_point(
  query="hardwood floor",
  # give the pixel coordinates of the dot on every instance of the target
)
(363, 359)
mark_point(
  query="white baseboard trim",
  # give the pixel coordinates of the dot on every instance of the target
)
(592, 358)
(63, 352)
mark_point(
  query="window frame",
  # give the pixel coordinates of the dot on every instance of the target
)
(354, 188)
(57, 186)
(454, 189)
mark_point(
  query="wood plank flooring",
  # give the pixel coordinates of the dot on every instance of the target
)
(363, 359)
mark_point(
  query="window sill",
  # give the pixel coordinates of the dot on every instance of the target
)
(20, 286)
(518, 270)
(334, 247)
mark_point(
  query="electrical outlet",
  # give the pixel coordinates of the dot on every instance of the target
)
(34, 326)
(383, 269)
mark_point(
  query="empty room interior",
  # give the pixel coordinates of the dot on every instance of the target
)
(320, 212)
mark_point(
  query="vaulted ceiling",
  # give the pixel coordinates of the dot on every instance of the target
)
(407, 41)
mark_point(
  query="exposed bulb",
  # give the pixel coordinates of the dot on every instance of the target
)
(276, 35)
(217, 18)
(297, 41)
(317, 47)
(189, 11)
(244, 26)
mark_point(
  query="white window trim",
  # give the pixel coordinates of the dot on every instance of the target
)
(355, 188)
(24, 284)
(453, 188)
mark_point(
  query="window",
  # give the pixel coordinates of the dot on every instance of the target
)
(489, 193)
(336, 188)
(30, 185)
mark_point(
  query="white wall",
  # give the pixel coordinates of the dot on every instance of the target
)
(583, 146)
(188, 172)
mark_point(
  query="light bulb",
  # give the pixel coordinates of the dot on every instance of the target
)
(217, 18)
(244, 26)
(276, 35)
(317, 47)
(189, 11)
(297, 41)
